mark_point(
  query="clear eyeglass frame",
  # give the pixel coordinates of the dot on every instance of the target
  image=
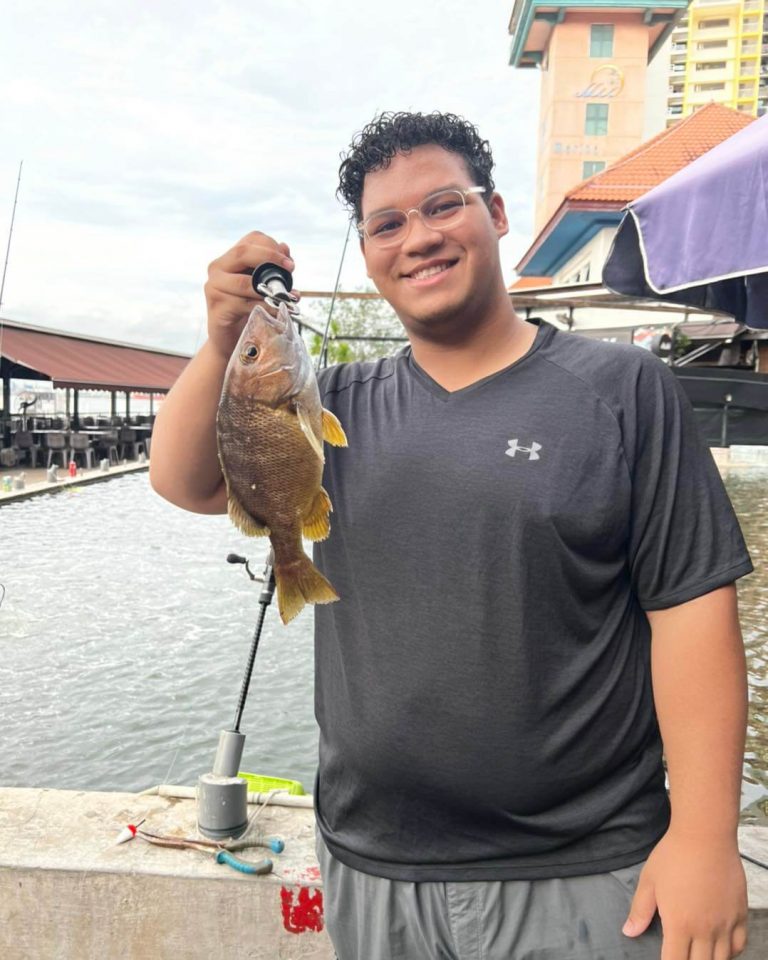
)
(389, 228)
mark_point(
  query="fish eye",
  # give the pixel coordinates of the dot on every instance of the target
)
(250, 352)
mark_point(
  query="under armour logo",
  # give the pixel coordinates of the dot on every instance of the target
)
(532, 451)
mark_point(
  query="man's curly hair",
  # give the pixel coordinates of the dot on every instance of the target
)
(391, 133)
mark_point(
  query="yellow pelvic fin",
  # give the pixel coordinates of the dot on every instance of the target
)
(243, 520)
(299, 583)
(306, 425)
(333, 432)
(317, 523)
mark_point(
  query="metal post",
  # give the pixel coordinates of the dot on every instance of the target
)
(724, 424)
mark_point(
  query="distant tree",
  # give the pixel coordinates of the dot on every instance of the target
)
(365, 318)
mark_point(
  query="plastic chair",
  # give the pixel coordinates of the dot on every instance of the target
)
(107, 444)
(57, 446)
(128, 439)
(25, 445)
(81, 446)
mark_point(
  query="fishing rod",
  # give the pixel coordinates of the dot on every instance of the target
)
(222, 795)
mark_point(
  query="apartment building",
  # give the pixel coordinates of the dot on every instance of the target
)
(719, 53)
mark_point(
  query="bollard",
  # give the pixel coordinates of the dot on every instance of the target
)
(53, 475)
(104, 466)
(19, 482)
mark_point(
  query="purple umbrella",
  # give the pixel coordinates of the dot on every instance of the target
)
(700, 238)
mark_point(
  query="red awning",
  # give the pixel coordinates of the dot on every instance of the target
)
(72, 360)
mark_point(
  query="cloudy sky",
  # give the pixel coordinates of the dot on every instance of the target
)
(154, 135)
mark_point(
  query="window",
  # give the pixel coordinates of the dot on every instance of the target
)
(712, 44)
(590, 167)
(601, 40)
(708, 87)
(711, 65)
(714, 24)
(596, 124)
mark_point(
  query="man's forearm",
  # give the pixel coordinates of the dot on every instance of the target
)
(700, 691)
(184, 466)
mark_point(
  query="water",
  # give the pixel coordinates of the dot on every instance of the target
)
(124, 636)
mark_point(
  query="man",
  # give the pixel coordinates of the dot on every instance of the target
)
(531, 546)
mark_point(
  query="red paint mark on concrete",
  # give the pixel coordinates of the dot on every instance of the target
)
(311, 874)
(305, 913)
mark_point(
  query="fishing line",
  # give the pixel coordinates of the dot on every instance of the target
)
(2, 595)
(5, 270)
(324, 344)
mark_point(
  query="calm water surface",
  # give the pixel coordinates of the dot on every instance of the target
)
(124, 636)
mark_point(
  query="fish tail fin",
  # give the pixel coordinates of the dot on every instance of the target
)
(300, 582)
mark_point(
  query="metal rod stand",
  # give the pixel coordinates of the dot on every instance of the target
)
(265, 598)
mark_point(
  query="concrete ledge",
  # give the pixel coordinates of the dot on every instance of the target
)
(740, 456)
(68, 893)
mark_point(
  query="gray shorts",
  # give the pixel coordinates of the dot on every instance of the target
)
(576, 918)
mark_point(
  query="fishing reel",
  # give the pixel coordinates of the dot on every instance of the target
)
(275, 285)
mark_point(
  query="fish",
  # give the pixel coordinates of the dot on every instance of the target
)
(270, 428)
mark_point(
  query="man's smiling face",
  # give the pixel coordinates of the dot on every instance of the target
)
(433, 277)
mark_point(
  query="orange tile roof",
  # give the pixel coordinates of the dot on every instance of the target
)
(658, 158)
(525, 283)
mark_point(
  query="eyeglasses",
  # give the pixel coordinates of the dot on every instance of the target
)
(438, 211)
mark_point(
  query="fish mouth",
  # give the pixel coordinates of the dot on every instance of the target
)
(279, 320)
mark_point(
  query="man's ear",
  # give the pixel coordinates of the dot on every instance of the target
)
(498, 214)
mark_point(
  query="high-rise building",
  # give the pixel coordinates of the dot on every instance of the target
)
(593, 58)
(720, 52)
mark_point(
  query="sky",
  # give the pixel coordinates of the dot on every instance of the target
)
(154, 135)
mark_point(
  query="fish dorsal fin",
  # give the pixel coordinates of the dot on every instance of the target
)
(333, 432)
(317, 524)
(306, 425)
(243, 520)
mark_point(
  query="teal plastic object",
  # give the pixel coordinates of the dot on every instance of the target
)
(263, 866)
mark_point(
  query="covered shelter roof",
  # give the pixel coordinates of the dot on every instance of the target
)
(85, 363)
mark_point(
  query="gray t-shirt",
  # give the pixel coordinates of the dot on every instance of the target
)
(483, 685)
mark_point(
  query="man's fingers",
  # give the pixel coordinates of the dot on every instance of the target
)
(675, 946)
(642, 909)
(247, 255)
(231, 284)
(739, 940)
